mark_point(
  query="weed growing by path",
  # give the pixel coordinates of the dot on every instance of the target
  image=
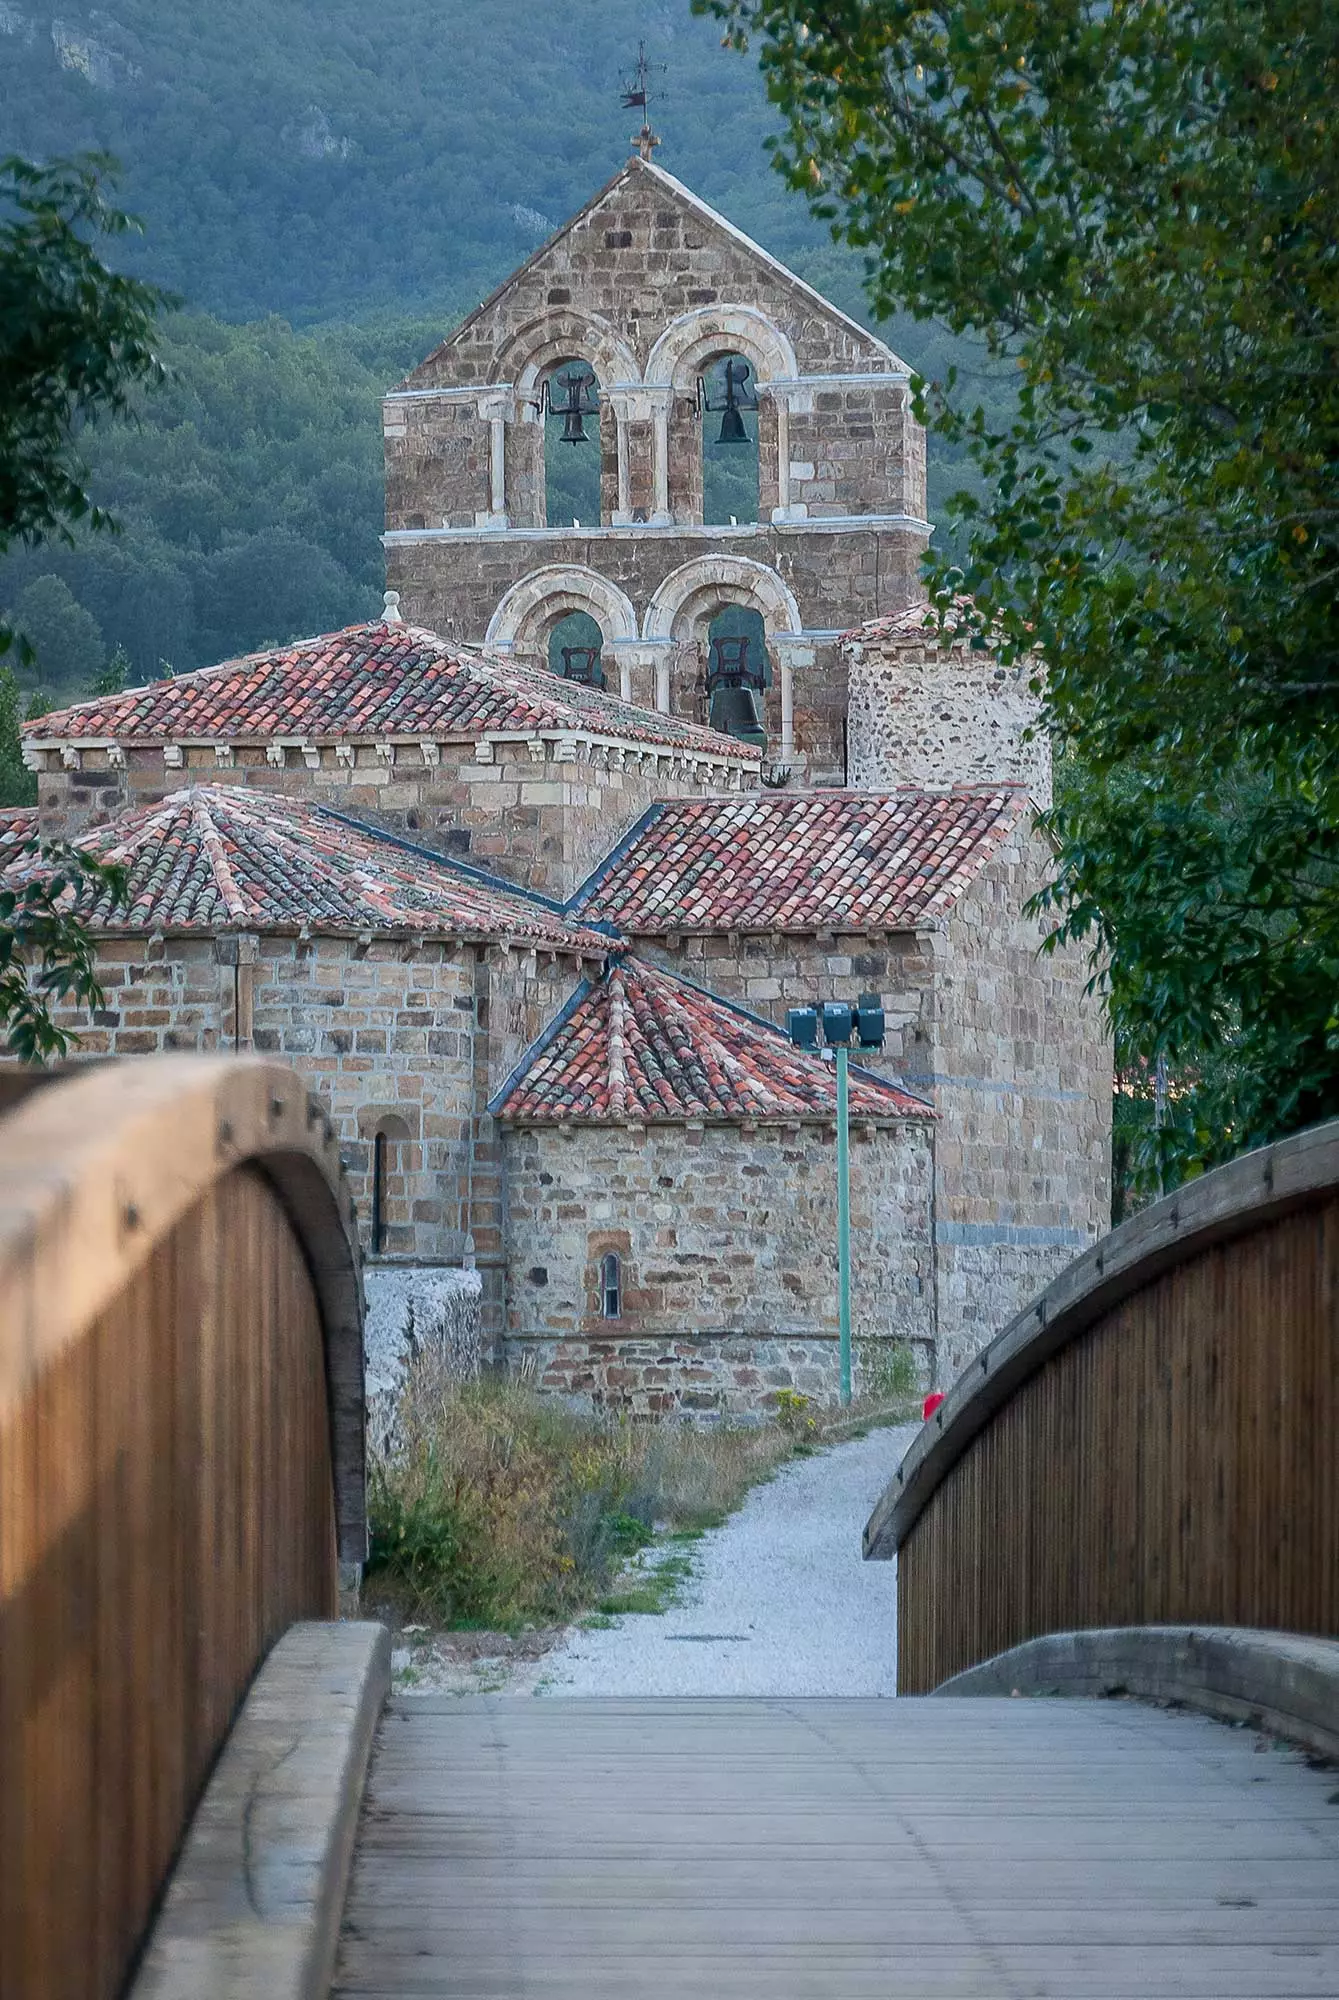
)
(503, 1508)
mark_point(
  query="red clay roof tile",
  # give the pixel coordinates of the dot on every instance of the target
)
(370, 681)
(805, 861)
(219, 857)
(643, 1046)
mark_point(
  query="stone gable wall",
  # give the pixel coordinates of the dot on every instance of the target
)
(923, 715)
(640, 257)
(728, 1246)
(1022, 1080)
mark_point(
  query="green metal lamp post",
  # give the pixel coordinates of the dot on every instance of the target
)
(841, 1021)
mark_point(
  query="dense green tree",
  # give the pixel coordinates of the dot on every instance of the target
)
(114, 678)
(1137, 206)
(66, 646)
(18, 786)
(75, 339)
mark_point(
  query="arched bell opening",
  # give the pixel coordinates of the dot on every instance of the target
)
(737, 674)
(576, 649)
(728, 405)
(572, 416)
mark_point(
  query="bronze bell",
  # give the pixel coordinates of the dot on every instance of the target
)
(582, 663)
(733, 430)
(735, 711)
(578, 402)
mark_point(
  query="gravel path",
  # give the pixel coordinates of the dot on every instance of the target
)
(781, 1602)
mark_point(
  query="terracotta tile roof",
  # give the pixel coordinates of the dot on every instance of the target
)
(805, 861)
(18, 824)
(221, 858)
(371, 682)
(914, 621)
(642, 1045)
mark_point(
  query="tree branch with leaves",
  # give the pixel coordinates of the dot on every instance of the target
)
(1134, 204)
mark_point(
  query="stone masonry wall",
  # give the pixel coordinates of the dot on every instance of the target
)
(1022, 1081)
(542, 821)
(727, 1241)
(402, 1036)
(922, 715)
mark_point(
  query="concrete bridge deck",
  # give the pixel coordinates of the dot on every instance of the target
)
(517, 1849)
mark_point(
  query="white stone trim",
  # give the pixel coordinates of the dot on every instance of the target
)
(574, 587)
(690, 340)
(730, 580)
(812, 524)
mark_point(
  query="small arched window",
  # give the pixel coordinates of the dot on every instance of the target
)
(387, 1178)
(611, 1286)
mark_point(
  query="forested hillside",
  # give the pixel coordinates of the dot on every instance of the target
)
(326, 187)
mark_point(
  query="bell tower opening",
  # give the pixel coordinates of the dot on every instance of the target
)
(728, 397)
(738, 674)
(571, 445)
(576, 646)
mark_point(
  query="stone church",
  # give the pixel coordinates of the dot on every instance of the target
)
(524, 874)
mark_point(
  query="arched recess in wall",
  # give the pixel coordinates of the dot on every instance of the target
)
(528, 614)
(549, 345)
(680, 616)
(693, 348)
(392, 1169)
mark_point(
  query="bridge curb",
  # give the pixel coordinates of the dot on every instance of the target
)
(1282, 1682)
(254, 1905)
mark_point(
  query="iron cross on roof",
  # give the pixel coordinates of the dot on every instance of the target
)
(637, 96)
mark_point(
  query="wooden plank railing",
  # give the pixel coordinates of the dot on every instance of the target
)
(181, 1469)
(1155, 1442)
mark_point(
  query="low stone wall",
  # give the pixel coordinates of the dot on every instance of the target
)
(735, 1376)
(416, 1314)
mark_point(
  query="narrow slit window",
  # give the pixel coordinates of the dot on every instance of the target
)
(378, 1193)
(611, 1286)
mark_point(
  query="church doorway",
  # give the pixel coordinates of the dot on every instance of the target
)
(728, 394)
(571, 445)
(576, 646)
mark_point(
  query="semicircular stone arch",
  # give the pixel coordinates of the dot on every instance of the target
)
(528, 612)
(695, 338)
(565, 335)
(690, 596)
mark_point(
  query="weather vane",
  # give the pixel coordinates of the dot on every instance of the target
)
(637, 97)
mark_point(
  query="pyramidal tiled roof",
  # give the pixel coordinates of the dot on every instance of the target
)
(802, 861)
(641, 1045)
(217, 857)
(379, 681)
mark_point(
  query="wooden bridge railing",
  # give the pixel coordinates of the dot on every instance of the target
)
(181, 1468)
(1155, 1442)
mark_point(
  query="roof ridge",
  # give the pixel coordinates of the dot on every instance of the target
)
(618, 1074)
(238, 905)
